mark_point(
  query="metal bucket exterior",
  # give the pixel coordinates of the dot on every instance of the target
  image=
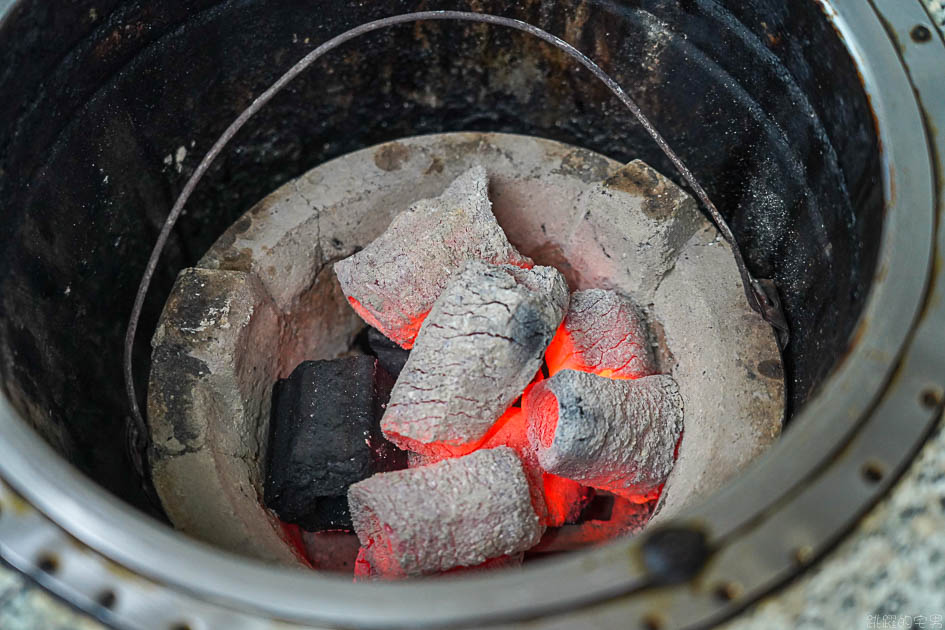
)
(167, 579)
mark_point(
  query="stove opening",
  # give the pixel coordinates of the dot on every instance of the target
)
(621, 371)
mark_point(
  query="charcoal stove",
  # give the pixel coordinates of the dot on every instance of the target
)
(835, 203)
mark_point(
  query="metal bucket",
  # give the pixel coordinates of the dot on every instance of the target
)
(814, 126)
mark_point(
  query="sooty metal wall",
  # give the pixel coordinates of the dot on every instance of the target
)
(109, 105)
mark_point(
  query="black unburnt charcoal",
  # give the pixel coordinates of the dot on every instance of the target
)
(390, 355)
(326, 515)
(324, 435)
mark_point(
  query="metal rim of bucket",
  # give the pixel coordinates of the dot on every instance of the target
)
(767, 525)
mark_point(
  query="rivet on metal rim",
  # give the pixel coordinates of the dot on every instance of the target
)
(675, 554)
(920, 34)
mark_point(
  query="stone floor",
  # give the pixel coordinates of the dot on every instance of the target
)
(26, 607)
(890, 573)
(937, 11)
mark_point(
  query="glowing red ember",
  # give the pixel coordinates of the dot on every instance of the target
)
(602, 333)
(478, 349)
(556, 500)
(618, 435)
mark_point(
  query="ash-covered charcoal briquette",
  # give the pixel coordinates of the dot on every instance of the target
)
(618, 435)
(480, 346)
(390, 355)
(457, 512)
(324, 436)
(393, 282)
(603, 333)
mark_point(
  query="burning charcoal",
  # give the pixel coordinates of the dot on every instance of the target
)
(458, 512)
(324, 436)
(603, 333)
(393, 282)
(625, 518)
(391, 356)
(481, 345)
(332, 551)
(565, 499)
(618, 435)
(363, 569)
(556, 499)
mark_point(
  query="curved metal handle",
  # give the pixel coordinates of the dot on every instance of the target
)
(761, 294)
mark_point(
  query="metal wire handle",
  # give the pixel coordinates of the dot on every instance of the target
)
(761, 294)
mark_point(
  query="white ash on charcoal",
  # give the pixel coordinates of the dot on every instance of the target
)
(324, 436)
(480, 346)
(394, 281)
(602, 333)
(617, 435)
(557, 500)
(390, 355)
(457, 512)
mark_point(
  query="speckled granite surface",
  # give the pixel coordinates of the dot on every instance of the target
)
(26, 607)
(937, 10)
(889, 573)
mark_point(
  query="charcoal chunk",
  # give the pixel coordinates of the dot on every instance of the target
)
(480, 346)
(455, 513)
(602, 333)
(617, 435)
(324, 436)
(327, 514)
(389, 354)
(393, 282)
